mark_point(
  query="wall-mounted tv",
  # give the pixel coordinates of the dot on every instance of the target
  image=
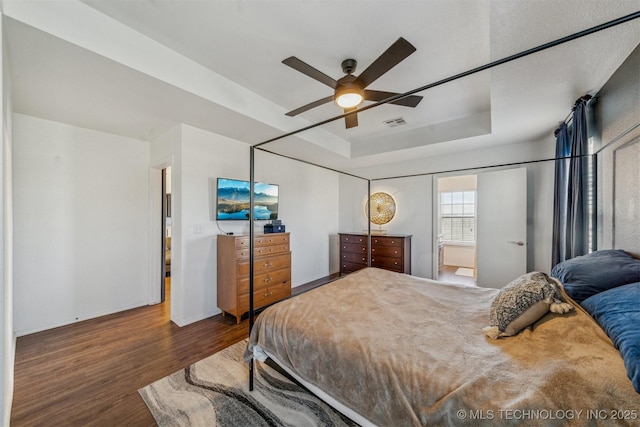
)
(232, 200)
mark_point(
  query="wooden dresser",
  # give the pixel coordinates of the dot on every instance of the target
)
(389, 251)
(271, 268)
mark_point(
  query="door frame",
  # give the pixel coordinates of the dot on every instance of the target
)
(435, 202)
(435, 267)
(156, 241)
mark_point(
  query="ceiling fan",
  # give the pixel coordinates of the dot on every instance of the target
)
(349, 91)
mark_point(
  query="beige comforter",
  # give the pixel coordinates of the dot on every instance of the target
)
(401, 351)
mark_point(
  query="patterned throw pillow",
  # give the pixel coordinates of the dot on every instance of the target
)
(522, 302)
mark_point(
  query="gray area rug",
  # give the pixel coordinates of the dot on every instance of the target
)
(215, 392)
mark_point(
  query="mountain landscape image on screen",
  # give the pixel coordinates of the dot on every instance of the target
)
(233, 200)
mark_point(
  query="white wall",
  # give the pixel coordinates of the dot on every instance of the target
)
(459, 256)
(7, 336)
(85, 206)
(203, 156)
(414, 199)
(308, 206)
(414, 216)
(81, 223)
(413, 213)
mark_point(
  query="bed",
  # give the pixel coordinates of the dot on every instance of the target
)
(392, 349)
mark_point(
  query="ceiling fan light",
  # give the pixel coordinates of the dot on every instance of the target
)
(349, 99)
(348, 94)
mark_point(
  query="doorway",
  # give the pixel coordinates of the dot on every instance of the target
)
(481, 223)
(456, 219)
(165, 285)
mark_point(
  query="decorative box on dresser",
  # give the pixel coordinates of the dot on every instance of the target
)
(389, 251)
(271, 270)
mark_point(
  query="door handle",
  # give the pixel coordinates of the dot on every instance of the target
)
(517, 243)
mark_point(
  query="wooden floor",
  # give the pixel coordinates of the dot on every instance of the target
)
(447, 273)
(89, 373)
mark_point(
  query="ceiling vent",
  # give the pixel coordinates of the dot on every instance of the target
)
(395, 122)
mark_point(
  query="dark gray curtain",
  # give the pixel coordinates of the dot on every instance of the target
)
(570, 210)
(563, 150)
(577, 220)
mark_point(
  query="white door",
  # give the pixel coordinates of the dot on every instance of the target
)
(502, 227)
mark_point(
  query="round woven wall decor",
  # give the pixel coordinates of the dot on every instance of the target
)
(383, 208)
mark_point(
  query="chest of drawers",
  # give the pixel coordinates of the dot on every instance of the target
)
(390, 252)
(271, 271)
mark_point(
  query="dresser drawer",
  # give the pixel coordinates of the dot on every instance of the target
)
(387, 263)
(387, 241)
(272, 239)
(272, 278)
(273, 262)
(262, 250)
(388, 251)
(274, 249)
(271, 271)
(354, 258)
(264, 296)
(242, 242)
(271, 294)
(357, 248)
(262, 240)
(353, 238)
(349, 267)
(264, 280)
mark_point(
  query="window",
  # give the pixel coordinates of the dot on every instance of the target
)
(458, 216)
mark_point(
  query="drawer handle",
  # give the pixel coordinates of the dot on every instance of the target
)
(267, 279)
(268, 294)
(267, 264)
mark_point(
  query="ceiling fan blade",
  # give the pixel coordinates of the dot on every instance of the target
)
(307, 69)
(351, 120)
(314, 104)
(389, 59)
(377, 95)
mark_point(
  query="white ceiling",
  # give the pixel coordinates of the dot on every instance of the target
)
(56, 75)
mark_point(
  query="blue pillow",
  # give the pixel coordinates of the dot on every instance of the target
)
(617, 311)
(598, 271)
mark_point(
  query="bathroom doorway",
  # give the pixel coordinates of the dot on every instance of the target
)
(457, 229)
(166, 234)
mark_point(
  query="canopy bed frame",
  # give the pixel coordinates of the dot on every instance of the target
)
(261, 147)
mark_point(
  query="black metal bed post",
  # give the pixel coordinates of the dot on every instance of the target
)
(594, 201)
(368, 223)
(251, 232)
